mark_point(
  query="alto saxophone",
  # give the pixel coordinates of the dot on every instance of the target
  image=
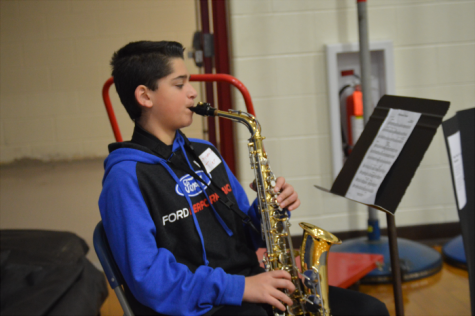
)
(311, 294)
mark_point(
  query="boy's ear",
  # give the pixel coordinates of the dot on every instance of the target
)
(142, 96)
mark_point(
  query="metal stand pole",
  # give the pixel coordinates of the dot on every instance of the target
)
(365, 61)
(395, 268)
(208, 68)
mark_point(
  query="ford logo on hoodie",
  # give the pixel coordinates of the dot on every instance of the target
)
(191, 186)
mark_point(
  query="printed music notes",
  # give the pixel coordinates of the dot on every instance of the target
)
(386, 146)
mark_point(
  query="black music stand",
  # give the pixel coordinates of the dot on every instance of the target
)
(463, 124)
(399, 176)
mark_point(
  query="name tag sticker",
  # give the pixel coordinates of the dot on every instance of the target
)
(210, 159)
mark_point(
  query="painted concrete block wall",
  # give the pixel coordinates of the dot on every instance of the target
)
(279, 54)
(54, 59)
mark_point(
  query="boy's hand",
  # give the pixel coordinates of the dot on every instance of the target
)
(287, 198)
(264, 288)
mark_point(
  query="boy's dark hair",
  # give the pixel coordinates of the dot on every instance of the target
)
(141, 63)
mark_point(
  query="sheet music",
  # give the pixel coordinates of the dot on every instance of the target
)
(455, 149)
(386, 147)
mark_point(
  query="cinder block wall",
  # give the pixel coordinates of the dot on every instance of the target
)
(54, 60)
(279, 54)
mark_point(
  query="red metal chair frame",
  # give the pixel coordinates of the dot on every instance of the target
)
(204, 77)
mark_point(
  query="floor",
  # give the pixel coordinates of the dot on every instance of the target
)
(445, 293)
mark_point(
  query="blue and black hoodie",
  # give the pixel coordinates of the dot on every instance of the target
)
(180, 250)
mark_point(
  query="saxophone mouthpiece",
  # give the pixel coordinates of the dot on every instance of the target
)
(203, 109)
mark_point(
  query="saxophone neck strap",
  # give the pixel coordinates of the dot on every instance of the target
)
(214, 187)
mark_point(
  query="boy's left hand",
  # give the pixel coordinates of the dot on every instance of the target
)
(287, 198)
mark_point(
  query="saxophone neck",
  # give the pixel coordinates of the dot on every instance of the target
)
(244, 118)
(205, 109)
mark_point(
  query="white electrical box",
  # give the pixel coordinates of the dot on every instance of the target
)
(343, 70)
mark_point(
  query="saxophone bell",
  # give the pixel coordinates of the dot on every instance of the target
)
(316, 245)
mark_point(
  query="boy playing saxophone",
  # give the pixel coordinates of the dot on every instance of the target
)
(176, 227)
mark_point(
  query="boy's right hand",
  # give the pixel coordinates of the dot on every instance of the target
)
(264, 288)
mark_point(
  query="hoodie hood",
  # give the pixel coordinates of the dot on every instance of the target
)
(128, 154)
(128, 151)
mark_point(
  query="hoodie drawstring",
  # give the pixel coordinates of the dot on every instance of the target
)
(195, 220)
(220, 220)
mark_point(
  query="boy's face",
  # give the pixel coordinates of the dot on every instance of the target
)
(174, 98)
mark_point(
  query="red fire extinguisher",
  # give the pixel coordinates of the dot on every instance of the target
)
(354, 116)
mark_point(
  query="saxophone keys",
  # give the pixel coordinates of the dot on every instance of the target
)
(311, 279)
(313, 303)
(273, 260)
(284, 261)
(278, 233)
(296, 254)
(295, 278)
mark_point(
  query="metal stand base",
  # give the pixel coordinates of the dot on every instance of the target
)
(454, 253)
(416, 260)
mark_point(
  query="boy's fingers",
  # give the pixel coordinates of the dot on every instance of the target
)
(279, 183)
(285, 194)
(281, 274)
(275, 302)
(282, 297)
(289, 200)
(294, 205)
(285, 284)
